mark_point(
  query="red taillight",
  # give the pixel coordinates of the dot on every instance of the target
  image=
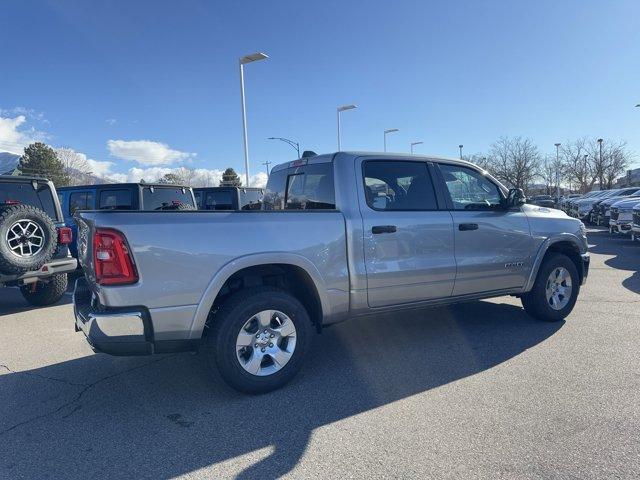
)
(65, 236)
(112, 259)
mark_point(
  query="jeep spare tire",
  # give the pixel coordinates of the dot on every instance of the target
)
(28, 238)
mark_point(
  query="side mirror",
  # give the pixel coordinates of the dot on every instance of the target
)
(515, 198)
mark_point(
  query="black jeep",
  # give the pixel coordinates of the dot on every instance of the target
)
(34, 252)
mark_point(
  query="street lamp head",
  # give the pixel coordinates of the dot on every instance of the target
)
(347, 107)
(391, 130)
(253, 57)
(557, 144)
(416, 143)
(460, 146)
(638, 105)
(600, 140)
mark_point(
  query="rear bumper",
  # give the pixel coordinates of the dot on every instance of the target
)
(116, 332)
(63, 265)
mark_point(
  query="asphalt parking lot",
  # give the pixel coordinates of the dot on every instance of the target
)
(479, 390)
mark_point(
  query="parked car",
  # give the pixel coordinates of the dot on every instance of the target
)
(622, 215)
(635, 223)
(34, 253)
(582, 208)
(542, 201)
(600, 212)
(572, 206)
(564, 201)
(340, 235)
(122, 196)
(228, 198)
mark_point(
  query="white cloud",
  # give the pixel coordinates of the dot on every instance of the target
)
(258, 180)
(11, 139)
(99, 168)
(146, 152)
(15, 131)
(111, 121)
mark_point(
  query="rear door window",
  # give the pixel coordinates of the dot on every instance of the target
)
(40, 197)
(396, 185)
(115, 200)
(165, 198)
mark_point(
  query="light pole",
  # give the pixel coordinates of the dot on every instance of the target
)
(601, 164)
(266, 164)
(295, 145)
(391, 130)
(244, 60)
(585, 172)
(415, 143)
(342, 109)
(557, 174)
(460, 147)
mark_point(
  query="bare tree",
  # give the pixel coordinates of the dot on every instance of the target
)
(579, 164)
(75, 166)
(479, 159)
(615, 160)
(514, 161)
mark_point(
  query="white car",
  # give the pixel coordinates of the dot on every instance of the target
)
(635, 223)
(622, 215)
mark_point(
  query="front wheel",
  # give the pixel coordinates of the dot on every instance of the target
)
(555, 290)
(259, 340)
(46, 292)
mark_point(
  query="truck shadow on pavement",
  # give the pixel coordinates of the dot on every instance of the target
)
(626, 255)
(160, 417)
(11, 301)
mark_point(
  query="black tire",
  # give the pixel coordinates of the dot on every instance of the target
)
(233, 315)
(535, 302)
(13, 263)
(46, 292)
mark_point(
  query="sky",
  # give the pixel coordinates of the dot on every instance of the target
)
(140, 87)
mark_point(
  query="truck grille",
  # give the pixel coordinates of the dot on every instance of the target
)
(614, 214)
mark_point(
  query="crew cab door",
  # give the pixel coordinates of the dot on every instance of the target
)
(493, 245)
(408, 239)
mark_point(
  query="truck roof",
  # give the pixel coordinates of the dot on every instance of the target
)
(129, 184)
(327, 157)
(21, 178)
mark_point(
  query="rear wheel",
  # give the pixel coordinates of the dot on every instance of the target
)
(259, 340)
(47, 292)
(555, 290)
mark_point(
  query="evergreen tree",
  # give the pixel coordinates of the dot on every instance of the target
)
(230, 179)
(41, 160)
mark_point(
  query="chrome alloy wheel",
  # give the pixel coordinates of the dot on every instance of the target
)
(266, 342)
(25, 238)
(558, 290)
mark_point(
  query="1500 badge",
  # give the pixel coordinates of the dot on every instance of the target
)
(514, 265)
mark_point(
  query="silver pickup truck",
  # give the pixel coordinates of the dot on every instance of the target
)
(337, 236)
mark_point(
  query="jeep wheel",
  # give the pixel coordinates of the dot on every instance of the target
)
(46, 292)
(259, 339)
(555, 290)
(28, 239)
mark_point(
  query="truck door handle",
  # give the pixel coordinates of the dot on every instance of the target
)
(467, 226)
(383, 229)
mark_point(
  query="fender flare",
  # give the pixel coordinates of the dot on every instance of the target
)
(254, 260)
(542, 251)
